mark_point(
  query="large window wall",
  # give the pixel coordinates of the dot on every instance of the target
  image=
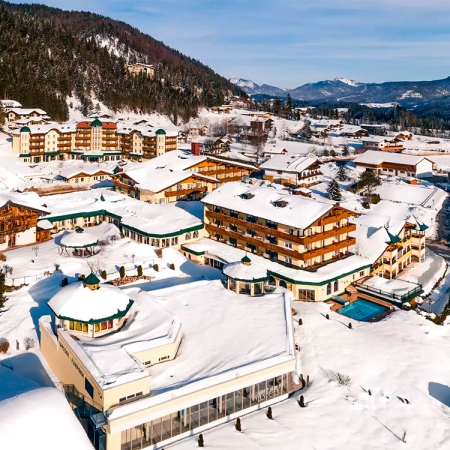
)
(179, 422)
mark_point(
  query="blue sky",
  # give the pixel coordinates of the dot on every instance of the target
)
(287, 43)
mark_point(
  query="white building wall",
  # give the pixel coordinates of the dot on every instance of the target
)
(26, 237)
(424, 169)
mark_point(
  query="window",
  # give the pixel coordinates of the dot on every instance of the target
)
(329, 289)
(288, 244)
(336, 285)
(163, 358)
(195, 235)
(175, 240)
(188, 236)
(361, 274)
(147, 363)
(287, 260)
(88, 387)
(307, 294)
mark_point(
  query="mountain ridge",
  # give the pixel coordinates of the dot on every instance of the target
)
(405, 93)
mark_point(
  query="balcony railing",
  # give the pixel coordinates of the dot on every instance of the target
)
(184, 191)
(302, 240)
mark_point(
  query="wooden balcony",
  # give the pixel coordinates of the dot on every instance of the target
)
(113, 144)
(302, 240)
(212, 172)
(259, 242)
(37, 146)
(328, 248)
(332, 219)
(184, 191)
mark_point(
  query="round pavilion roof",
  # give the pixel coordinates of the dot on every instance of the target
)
(25, 130)
(160, 131)
(78, 302)
(245, 272)
(77, 239)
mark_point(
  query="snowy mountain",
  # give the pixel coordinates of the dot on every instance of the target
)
(423, 94)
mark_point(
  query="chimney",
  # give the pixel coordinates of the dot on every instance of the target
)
(195, 148)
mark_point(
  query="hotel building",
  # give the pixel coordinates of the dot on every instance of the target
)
(146, 369)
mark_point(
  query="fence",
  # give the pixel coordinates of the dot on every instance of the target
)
(20, 281)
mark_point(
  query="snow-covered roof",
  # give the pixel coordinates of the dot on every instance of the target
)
(78, 239)
(150, 219)
(289, 163)
(372, 236)
(45, 128)
(239, 270)
(45, 224)
(227, 253)
(110, 358)
(216, 323)
(45, 411)
(184, 159)
(269, 202)
(27, 200)
(10, 104)
(72, 172)
(78, 302)
(157, 180)
(374, 157)
(26, 111)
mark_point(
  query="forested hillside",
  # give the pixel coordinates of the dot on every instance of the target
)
(48, 55)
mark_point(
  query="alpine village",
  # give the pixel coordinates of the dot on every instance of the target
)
(194, 261)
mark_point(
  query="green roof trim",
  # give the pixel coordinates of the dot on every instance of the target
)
(322, 283)
(193, 252)
(258, 280)
(51, 154)
(422, 226)
(160, 236)
(25, 155)
(92, 156)
(246, 259)
(100, 212)
(96, 123)
(160, 131)
(91, 279)
(119, 314)
(392, 238)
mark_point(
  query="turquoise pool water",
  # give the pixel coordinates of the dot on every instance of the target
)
(362, 310)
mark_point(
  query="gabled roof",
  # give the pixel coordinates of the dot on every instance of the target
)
(298, 212)
(377, 157)
(289, 163)
(91, 279)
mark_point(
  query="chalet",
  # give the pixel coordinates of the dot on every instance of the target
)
(224, 109)
(300, 171)
(404, 135)
(211, 144)
(391, 145)
(222, 170)
(8, 104)
(19, 215)
(161, 185)
(84, 175)
(14, 114)
(349, 131)
(141, 69)
(395, 164)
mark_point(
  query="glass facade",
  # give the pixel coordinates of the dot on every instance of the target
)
(179, 422)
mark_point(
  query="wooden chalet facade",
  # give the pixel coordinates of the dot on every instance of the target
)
(18, 225)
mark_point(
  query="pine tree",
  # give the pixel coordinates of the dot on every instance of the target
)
(122, 272)
(238, 424)
(201, 442)
(140, 271)
(345, 151)
(104, 276)
(334, 191)
(342, 174)
(2, 288)
(368, 180)
(301, 402)
(269, 413)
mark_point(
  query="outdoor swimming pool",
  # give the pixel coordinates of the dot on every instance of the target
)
(362, 310)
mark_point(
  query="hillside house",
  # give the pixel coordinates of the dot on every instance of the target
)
(141, 69)
(395, 164)
(300, 171)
